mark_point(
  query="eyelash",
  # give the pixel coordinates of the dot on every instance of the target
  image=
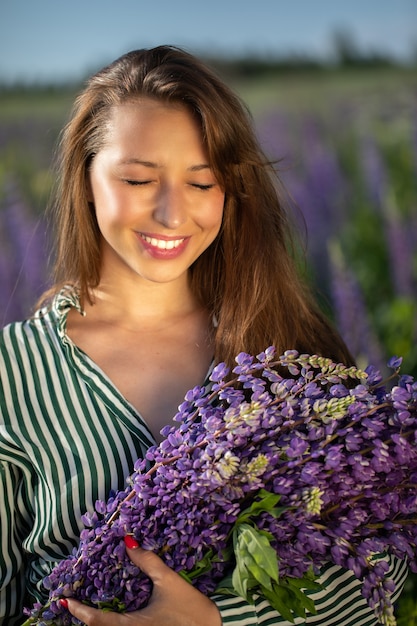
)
(203, 187)
(138, 183)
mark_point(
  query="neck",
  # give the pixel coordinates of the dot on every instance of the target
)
(142, 301)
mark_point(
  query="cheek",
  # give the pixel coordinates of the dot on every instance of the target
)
(111, 207)
(214, 214)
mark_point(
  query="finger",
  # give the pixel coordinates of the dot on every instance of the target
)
(148, 562)
(93, 617)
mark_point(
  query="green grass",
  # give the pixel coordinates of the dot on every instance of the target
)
(36, 103)
(319, 90)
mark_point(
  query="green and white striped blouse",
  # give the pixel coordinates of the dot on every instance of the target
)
(67, 437)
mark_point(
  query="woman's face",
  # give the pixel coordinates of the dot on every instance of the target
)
(157, 202)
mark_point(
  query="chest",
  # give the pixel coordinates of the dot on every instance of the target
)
(155, 379)
(152, 370)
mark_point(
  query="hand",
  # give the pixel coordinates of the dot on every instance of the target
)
(174, 602)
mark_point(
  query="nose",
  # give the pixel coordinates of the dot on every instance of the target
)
(170, 209)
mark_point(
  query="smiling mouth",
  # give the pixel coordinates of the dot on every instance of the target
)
(162, 244)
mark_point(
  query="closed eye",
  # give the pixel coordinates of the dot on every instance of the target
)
(129, 181)
(202, 187)
(138, 183)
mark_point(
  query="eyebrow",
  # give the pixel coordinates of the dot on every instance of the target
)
(153, 165)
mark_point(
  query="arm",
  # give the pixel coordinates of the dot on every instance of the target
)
(12, 575)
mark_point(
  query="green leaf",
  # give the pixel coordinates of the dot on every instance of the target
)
(280, 599)
(289, 599)
(242, 582)
(300, 602)
(226, 587)
(185, 576)
(264, 502)
(204, 565)
(254, 557)
(303, 583)
(112, 605)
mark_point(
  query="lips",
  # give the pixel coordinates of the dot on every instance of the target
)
(163, 244)
(163, 247)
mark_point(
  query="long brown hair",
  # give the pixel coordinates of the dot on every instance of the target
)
(247, 278)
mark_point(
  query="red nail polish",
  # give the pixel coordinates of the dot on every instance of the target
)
(131, 542)
(64, 602)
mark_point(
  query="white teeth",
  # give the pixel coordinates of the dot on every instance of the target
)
(162, 244)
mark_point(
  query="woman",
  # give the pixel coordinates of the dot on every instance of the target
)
(174, 246)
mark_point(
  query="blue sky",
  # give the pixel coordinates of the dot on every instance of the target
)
(48, 40)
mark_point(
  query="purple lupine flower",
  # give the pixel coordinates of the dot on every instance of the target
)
(343, 469)
(401, 248)
(23, 265)
(375, 175)
(351, 314)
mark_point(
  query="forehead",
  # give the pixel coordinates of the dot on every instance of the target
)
(142, 113)
(152, 129)
(147, 124)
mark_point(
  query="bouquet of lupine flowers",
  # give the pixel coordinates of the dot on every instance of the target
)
(273, 470)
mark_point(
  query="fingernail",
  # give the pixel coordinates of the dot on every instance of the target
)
(63, 602)
(131, 542)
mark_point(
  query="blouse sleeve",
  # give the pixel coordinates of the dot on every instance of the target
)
(339, 603)
(12, 573)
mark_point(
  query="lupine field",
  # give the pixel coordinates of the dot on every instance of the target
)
(346, 147)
